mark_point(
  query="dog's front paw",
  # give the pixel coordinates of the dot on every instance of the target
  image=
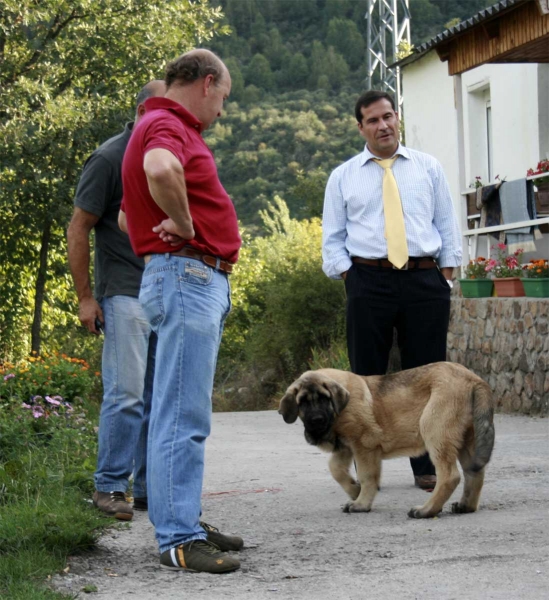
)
(355, 507)
(459, 508)
(418, 512)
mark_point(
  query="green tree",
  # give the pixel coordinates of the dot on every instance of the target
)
(336, 68)
(295, 76)
(344, 36)
(237, 79)
(68, 76)
(259, 72)
(241, 15)
(316, 63)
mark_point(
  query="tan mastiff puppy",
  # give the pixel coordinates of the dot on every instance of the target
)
(442, 408)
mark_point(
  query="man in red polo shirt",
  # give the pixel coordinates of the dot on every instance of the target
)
(181, 220)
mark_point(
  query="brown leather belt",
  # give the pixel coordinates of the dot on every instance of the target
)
(211, 261)
(424, 262)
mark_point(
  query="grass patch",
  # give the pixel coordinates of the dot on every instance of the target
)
(47, 458)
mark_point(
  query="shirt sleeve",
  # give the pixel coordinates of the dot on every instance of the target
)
(445, 220)
(97, 186)
(335, 256)
(163, 135)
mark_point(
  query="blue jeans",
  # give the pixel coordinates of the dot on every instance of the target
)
(186, 303)
(128, 369)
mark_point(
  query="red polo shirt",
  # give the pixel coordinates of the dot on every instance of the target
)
(168, 125)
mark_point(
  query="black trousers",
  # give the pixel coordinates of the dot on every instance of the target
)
(416, 303)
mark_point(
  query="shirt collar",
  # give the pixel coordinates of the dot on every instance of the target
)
(156, 103)
(367, 155)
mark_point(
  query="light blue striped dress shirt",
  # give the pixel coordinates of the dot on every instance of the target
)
(353, 222)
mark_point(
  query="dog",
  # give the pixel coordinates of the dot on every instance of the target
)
(442, 408)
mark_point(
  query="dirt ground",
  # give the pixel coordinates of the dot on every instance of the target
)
(265, 483)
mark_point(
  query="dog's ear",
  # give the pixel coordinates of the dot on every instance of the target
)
(340, 396)
(289, 408)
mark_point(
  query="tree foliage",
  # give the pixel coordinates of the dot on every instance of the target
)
(68, 74)
(283, 304)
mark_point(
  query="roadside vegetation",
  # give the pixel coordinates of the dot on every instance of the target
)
(48, 412)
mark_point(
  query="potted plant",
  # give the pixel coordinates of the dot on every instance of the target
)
(542, 185)
(506, 271)
(476, 283)
(536, 282)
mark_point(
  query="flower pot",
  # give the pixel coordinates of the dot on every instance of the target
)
(476, 288)
(508, 287)
(536, 288)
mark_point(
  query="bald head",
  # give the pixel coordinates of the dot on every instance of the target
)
(156, 87)
(193, 66)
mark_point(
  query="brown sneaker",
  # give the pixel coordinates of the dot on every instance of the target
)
(199, 556)
(224, 542)
(113, 504)
(425, 482)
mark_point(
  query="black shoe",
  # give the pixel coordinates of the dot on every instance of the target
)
(199, 556)
(224, 542)
(140, 503)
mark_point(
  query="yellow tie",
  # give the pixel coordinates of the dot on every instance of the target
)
(395, 231)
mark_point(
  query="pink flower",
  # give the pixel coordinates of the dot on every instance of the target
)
(53, 401)
(491, 264)
(25, 405)
(502, 246)
(8, 376)
(37, 412)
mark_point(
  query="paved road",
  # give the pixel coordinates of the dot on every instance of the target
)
(264, 482)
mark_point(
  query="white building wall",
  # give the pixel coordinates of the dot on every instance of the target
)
(430, 119)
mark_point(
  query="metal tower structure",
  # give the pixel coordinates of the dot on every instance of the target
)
(388, 24)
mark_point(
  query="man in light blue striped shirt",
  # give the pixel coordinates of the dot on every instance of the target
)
(415, 299)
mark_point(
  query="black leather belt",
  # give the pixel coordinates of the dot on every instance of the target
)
(211, 261)
(424, 262)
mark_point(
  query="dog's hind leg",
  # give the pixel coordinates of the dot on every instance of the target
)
(447, 481)
(368, 466)
(340, 468)
(472, 487)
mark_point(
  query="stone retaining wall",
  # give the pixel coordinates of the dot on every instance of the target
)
(506, 342)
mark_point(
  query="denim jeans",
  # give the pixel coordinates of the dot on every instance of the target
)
(186, 303)
(128, 369)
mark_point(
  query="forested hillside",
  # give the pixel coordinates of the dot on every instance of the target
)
(297, 67)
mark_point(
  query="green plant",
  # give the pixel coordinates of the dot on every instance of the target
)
(542, 167)
(46, 376)
(536, 268)
(505, 265)
(47, 458)
(476, 269)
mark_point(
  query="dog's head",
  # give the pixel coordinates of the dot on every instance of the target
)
(317, 400)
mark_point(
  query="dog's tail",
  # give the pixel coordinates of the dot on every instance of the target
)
(483, 421)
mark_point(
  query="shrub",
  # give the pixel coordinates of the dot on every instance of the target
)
(54, 375)
(283, 304)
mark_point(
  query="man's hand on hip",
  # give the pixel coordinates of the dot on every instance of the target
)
(173, 234)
